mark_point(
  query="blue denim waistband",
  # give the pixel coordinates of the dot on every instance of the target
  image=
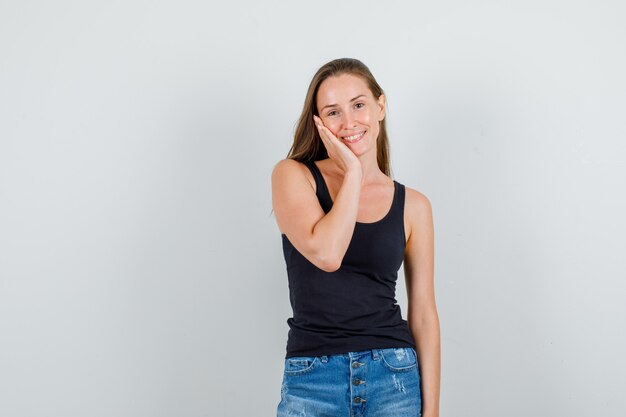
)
(375, 354)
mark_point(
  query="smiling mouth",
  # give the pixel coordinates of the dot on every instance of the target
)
(354, 138)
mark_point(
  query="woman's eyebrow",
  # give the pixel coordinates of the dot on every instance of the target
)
(333, 105)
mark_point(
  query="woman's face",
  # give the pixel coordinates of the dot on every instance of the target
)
(348, 108)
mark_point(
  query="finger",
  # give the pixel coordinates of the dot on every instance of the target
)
(329, 134)
(320, 126)
(325, 133)
(324, 137)
(322, 132)
(319, 122)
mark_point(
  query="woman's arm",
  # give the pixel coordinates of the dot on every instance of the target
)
(422, 315)
(322, 238)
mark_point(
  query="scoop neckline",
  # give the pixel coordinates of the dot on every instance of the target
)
(393, 201)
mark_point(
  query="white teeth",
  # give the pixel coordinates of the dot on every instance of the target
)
(353, 137)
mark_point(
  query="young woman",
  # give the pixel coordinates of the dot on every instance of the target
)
(346, 228)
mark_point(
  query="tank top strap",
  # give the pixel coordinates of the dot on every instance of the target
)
(398, 201)
(397, 214)
(321, 190)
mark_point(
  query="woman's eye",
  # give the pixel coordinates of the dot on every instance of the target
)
(331, 113)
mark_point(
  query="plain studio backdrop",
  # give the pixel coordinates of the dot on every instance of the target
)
(142, 274)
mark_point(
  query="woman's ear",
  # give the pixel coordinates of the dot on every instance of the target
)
(382, 104)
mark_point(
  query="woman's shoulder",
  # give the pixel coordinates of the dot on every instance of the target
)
(288, 163)
(417, 212)
(416, 202)
(289, 168)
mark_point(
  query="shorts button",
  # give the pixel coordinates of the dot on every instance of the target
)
(358, 381)
(356, 364)
(359, 400)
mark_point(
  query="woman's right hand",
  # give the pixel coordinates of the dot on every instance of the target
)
(336, 149)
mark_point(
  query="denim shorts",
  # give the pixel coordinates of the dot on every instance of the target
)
(368, 383)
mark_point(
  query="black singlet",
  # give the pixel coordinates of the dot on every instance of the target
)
(353, 308)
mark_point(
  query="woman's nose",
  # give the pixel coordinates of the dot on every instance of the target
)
(348, 121)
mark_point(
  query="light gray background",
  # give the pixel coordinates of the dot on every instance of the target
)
(142, 273)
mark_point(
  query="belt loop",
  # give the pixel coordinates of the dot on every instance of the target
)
(324, 358)
(375, 354)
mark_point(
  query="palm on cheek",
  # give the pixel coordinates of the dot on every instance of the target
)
(336, 149)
